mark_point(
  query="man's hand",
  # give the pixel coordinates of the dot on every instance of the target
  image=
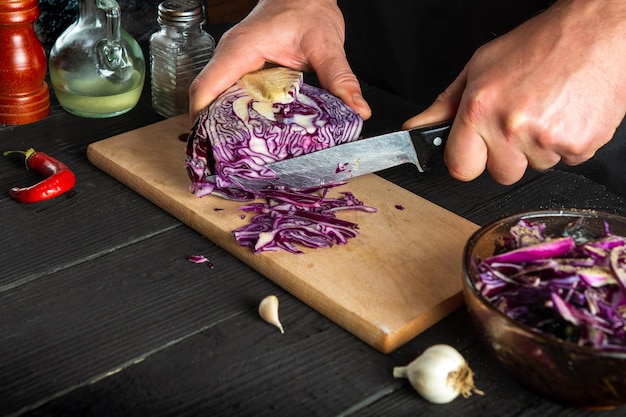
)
(552, 89)
(301, 34)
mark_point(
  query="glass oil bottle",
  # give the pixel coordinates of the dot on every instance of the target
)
(97, 69)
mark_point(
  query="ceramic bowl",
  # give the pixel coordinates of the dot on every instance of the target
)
(562, 370)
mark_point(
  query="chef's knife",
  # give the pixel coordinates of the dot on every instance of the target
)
(342, 162)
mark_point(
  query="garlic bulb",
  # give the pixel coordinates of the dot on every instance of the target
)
(439, 375)
(268, 310)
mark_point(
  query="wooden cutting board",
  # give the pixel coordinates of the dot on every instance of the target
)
(399, 276)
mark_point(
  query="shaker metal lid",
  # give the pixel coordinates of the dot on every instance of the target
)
(180, 12)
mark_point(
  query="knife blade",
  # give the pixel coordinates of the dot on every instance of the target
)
(342, 162)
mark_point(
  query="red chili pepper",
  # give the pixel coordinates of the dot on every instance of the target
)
(58, 177)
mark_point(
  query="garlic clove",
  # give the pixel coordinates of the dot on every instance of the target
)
(268, 310)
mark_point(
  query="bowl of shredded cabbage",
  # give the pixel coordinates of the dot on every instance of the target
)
(546, 291)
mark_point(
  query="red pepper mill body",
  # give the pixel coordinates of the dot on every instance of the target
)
(24, 96)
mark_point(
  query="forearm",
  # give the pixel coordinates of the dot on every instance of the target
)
(593, 17)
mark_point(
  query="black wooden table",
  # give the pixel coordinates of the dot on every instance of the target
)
(101, 314)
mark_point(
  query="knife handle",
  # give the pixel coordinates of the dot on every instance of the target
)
(429, 140)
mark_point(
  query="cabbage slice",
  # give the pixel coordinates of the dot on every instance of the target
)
(267, 116)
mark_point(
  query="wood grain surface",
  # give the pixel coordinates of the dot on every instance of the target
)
(399, 276)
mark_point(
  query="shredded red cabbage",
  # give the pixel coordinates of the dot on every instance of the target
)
(200, 259)
(572, 287)
(286, 220)
(341, 167)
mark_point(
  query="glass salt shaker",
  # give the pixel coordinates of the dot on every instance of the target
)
(178, 52)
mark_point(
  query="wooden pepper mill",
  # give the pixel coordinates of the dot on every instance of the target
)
(24, 96)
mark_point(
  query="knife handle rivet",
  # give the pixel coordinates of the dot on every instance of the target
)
(437, 141)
